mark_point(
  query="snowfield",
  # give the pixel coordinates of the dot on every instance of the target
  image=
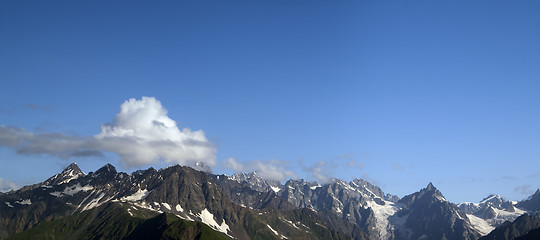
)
(137, 196)
(208, 218)
(480, 224)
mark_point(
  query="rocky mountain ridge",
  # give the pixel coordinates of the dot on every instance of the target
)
(234, 205)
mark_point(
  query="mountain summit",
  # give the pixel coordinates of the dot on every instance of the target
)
(532, 203)
(71, 172)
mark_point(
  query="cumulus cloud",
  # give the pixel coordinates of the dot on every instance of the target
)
(141, 134)
(270, 170)
(6, 186)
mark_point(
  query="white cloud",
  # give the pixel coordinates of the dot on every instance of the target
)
(141, 134)
(6, 186)
(320, 172)
(270, 170)
(232, 164)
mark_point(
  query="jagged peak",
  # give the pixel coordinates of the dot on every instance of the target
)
(73, 165)
(73, 169)
(436, 193)
(491, 197)
(296, 182)
(107, 168)
(69, 173)
(430, 187)
(360, 180)
(535, 195)
(241, 176)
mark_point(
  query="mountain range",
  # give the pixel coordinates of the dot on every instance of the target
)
(180, 202)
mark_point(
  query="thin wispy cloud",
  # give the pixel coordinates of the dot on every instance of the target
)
(370, 179)
(6, 186)
(321, 172)
(397, 166)
(141, 134)
(534, 175)
(355, 164)
(232, 164)
(271, 170)
(524, 189)
(38, 107)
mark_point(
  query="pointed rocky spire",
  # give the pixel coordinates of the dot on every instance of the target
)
(430, 187)
(107, 168)
(74, 168)
(71, 172)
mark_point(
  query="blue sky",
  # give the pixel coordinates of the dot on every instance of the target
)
(401, 93)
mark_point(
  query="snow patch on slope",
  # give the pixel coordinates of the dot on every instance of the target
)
(179, 208)
(167, 206)
(271, 229)
(480, 224)
(76, 188)
(24, 202)
(72, 190)
(208, 218)
(94, 202)
(382, 213)
(137, 196)
(72, 176)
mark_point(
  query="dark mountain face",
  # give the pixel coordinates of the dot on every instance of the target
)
(531, 204)
(120, 221)
(182, 191)
(367, 206)
(521, 227)
(427, 215)
(242, 193)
